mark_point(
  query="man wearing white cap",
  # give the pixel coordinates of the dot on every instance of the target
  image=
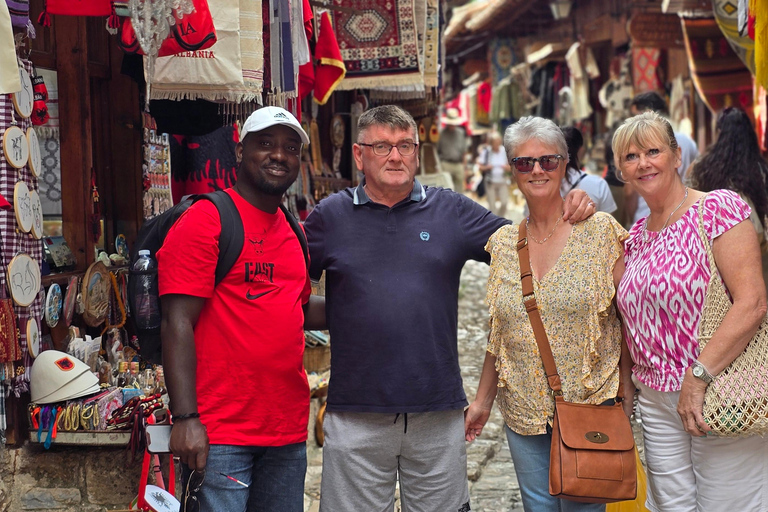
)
(233, 352)
(451, 147)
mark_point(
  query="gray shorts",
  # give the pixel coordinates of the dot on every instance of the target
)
(365, 453)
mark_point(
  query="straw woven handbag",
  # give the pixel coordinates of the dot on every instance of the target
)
(736, 403)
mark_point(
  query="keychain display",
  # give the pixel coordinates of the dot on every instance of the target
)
(37, 214)
(33, 338)
(53, 303)
(15, 147)
(22, 205)
(23, 279)
(157, 174)
(35, 159)
(23, 99)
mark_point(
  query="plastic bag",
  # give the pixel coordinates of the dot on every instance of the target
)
(638, 504)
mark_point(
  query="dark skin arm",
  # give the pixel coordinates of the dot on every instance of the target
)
(314, 313)
(189, 438)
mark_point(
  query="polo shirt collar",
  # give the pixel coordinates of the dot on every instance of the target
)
(359, 196)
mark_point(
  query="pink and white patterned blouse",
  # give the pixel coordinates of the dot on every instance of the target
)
(661, 295)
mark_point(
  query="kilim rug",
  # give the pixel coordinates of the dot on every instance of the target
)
(378, 43)
(644, 64)
(720, 77)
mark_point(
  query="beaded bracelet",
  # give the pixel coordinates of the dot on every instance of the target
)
(189, 416)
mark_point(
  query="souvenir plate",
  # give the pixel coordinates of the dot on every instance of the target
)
(22, 205)
(22, 100)
(23, 279)
(70, 300)
(161, 500)
(35, 160)
(15, 147)
(33, 338)
(95, 289)
(37, 214)
(53, 305)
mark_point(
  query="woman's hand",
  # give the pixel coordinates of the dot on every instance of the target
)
(691, 405)
(578, 206)
(475, 418)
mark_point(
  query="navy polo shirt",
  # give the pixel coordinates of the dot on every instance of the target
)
(392, 284)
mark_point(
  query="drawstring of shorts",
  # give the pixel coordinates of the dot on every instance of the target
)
(405, 418)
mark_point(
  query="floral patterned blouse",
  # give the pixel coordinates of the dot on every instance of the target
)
(575, 298)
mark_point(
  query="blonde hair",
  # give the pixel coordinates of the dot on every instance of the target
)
(644, 131)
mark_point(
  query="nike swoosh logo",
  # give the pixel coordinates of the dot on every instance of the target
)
(249, 296)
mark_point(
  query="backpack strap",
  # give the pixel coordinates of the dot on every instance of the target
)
(299, 233)
(232, 232)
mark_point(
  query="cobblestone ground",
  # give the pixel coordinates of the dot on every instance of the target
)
(492, 482)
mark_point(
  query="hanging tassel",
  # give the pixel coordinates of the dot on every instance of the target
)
(113, 22)
(31, 30)
(44, 20)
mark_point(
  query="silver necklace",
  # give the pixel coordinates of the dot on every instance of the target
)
(646, 238)
(528, 228)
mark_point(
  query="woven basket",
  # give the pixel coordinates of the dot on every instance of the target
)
(736, 403)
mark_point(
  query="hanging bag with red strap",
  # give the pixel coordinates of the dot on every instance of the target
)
(154, 498)
(592, 456)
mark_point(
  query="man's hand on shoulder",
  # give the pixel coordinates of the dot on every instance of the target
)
(578, 206)
(189, 442)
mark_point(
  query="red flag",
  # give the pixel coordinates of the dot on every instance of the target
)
(330, 66)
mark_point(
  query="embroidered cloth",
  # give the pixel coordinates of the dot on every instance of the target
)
(662, 293)
(378, 43)
(644, 64)
(576, 302)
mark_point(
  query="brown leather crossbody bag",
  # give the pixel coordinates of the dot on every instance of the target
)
(592, 457)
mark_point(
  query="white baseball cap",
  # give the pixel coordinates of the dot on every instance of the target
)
(57, 376)
(270, 116)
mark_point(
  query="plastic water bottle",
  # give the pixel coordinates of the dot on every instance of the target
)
(147, 293)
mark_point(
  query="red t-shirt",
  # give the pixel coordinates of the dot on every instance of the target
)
(251, 386)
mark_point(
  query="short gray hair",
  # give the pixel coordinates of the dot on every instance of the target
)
(386, 115)
(530, 128)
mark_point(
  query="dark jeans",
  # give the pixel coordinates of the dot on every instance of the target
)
(274, 474)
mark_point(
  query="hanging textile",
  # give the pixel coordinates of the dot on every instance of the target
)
(432, 44)
(644, 64)
(378, 43)
(9, 77)
(252, 45)
(19, 12)
(579, 84)
(719, 76)
(727, 17)
(502, 58)
(330, 70)
(617, 93)
(758, 13)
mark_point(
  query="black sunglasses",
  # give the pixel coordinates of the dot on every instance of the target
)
(525, 164)
(194, 483)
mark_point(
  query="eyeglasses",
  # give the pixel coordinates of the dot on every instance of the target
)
(384, 149)
(525, 164)
(195, 481)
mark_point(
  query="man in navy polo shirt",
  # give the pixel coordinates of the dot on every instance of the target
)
(393, 251)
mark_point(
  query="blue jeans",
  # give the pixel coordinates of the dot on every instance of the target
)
(530, 454)
(274, 474)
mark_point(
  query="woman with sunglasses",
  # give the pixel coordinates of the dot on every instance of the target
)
(576, 268)
(661, 297)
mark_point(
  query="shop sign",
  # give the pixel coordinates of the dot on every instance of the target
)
(656, 30)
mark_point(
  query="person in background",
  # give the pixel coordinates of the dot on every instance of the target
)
(233, 352)
(451, 147)
(661, 298)
(392, 251)
(615, 184)
(496, 169)
(576, 269)
(734, 162)
(637, 208)
(575, 178)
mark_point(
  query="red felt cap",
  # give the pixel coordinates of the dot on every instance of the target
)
(4, 204)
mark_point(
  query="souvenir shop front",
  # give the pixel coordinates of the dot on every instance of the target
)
(106, 123)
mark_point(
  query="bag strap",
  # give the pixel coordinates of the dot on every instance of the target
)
(705, 241)
(583, 175)
(297, 229)
(532, 308)
(232, 232)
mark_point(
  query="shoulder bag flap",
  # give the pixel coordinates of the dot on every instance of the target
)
(589, 427)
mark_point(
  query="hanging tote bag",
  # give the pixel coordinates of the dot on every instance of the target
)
(736, 403)
(592, 456)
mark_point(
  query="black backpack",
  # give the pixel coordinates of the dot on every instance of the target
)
(152, 235)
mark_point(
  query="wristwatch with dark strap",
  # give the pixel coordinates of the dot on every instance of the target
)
(700, 372)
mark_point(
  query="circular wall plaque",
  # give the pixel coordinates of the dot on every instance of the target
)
(33, 338)
(95, 290)
(15, 147)
(23, 279)
(53, 305)
(37, 214)
(22, 205)
(22, 100)
(337, 131)
(35, 160)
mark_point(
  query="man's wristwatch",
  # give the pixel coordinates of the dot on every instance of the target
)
(700, 372)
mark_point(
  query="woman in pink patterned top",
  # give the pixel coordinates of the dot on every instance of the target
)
(661, 297)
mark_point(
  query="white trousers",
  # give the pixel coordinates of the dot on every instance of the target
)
(699, 474)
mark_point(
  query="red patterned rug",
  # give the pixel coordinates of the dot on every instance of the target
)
(378, 43)
(644, 64)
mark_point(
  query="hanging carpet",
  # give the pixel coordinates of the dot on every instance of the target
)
(644, 64)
